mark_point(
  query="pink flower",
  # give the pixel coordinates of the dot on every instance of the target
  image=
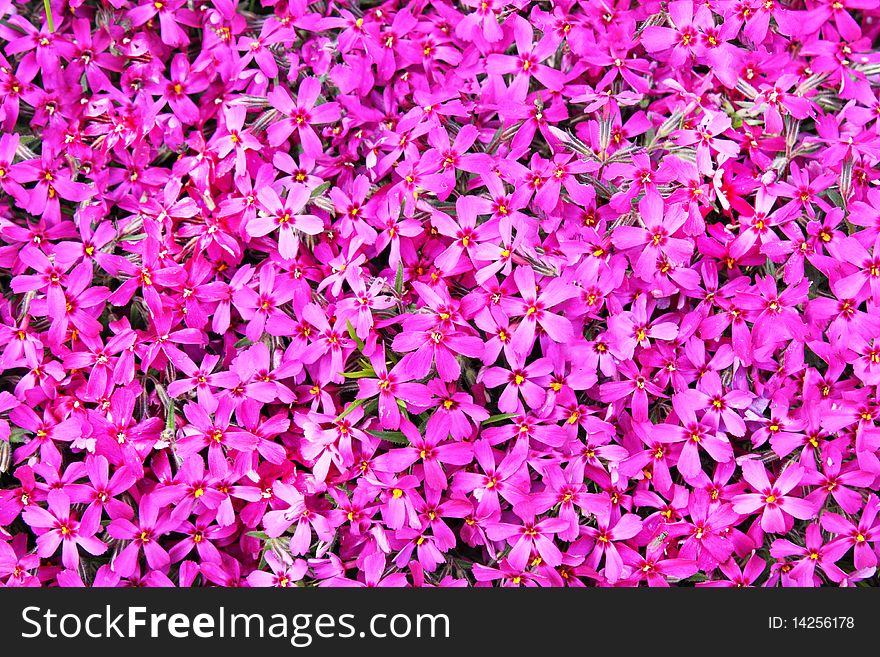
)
(600, 541)
(430, 453)
(143, 534)
(814, 554)
(534, 308)
(201, 378)
(391, 387)
(518, 381)
(656, 237)
(301, 115)
(776, 505)
(297, 512)
(59, 527)
(284, 215)
(531, 537)
(859, 535)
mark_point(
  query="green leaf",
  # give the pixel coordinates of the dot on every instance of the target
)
(168, 404)
(371, 407)
(170, 418)
(49, 19)
(365, 371)
(244, 342)
(354, 336)
(363, 374)
(398, 280)
(348, 409)
(836, 198)
(495, 419)
(320, 189)
(18, 435)
(395, 437)
(263, 536)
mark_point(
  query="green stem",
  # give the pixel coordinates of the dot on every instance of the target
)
(49, 15)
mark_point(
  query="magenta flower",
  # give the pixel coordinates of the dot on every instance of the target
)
(518, 380)
(46, 432)
(497, 481)
(482, 22)
(631, 329)
(776, 101)
(708, 538)
(695, 436)
(199, 537)
(284, 216)
(720, 407)
(119, 437)
(201, 378)
(527, 62)
(637, 386)
(237, 139)
(142, 535)
(102, 490)
(598, 542)
(301, 115)
(299, 513)
(531, 537)
(283, 575)
(836, 480)
(706, 139)
(435, 294)
(534, 308)
(391, 387)
(738, 577)
(655, 239)
(330, 346)
(361, 305)
(683, 37)
(858, 536)
(455, 413)
(373, 575)
(14, 500)
(438, 346)
(59, 527)
(814, 554)
(16, 563)
(567, 490)
(776, 505)
(216, 434)
(169, 14)
(258, 48)
(261, 307)
(467, 236)
(657, 571)
(430, 453)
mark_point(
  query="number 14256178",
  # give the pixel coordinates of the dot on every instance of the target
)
(811, 623)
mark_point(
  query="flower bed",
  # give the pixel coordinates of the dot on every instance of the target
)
(439, 293)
